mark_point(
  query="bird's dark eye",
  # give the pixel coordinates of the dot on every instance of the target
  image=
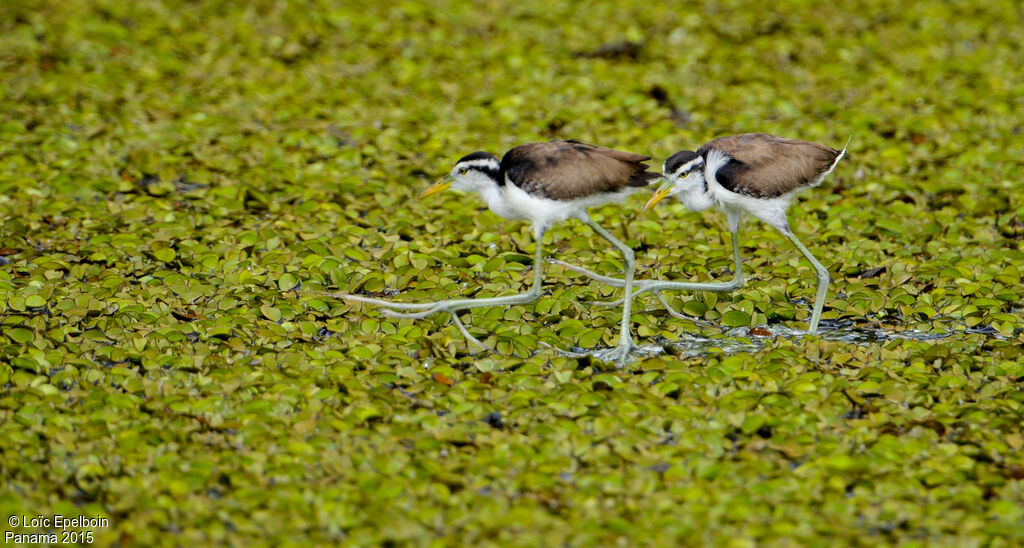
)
(685, 175)
(464, 171)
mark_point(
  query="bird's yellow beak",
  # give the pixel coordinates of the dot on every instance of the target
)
(665, 190)
(439, 186)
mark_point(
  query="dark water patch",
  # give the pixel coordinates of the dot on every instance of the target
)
(845, 333)
(753, 339)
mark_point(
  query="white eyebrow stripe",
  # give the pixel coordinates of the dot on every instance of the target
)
(688, 165)
(483, 162)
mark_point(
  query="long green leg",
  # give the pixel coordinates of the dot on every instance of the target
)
(465, 333)
(823, 279)
(625, 346)
(422, 310)
(657, 286)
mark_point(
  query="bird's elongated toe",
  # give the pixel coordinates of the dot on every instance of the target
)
(621, 354)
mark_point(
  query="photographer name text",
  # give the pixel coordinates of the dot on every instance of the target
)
(62, 529)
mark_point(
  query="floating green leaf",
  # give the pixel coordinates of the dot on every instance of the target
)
(19, 335)
(287, 282)
(735, 318)
(271, 313)
(165, 254)
(590, 338)
(35, 301)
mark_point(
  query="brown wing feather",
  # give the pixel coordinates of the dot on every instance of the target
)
(567, 170)
(766, 166)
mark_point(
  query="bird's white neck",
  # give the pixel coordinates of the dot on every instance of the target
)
(714, 161)
(495, 199)
(695, 198)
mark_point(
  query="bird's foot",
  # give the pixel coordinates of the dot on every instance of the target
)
(386, 304)
(621, 354)
(433, 308)
(617, 282)
(562, 351)
(668, 308)
(442, 306)
(413, 311)
(609, 304)
(639, 286)
(470, 338)
(421, 310)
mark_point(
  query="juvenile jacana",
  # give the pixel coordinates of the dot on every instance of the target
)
(752, 173)
(544, 183)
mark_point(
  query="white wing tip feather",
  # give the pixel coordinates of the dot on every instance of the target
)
(840, 156)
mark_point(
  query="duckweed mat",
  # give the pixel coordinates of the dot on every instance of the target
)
(185, 185)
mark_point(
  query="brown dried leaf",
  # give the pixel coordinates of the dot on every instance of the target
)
(441, 378)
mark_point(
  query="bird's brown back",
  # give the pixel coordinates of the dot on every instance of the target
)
(766, 166)
(568, 170)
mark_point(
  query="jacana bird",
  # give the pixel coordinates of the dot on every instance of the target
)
(752, 173)
(544, 183)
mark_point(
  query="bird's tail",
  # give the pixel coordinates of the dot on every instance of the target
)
(839, 156)
(643, 178)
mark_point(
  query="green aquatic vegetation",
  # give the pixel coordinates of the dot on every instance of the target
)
(184, 185)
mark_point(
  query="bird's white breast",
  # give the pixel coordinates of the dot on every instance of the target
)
(544, 212)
